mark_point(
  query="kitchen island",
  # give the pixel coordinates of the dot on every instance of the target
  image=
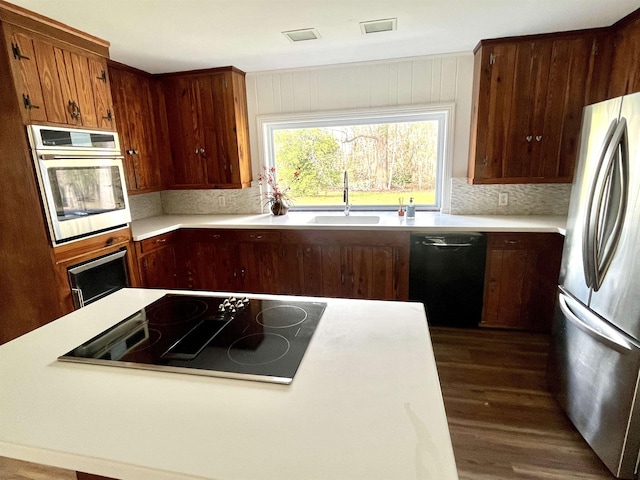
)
(365, 404)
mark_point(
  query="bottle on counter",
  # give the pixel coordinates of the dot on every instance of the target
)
(411, 210)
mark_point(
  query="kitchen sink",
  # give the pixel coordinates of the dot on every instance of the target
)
(345, 220)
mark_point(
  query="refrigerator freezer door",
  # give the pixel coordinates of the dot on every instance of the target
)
(598, 125)
(618, 298)
(593, 371)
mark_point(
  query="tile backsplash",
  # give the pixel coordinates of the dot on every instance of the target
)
(523, 199)
(529, 199)
(187, 202)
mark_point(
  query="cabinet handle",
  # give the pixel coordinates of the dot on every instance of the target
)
(27, 102)
(109, 114)
(129, 152)
(161, 240)
(103, 76)
(15, 48)
(485, 161)
(215, 236)
(538, 138)
(528, 138)
(511, 242)
(74, 110)
(202, 150)
(256, 237)
(197, 150)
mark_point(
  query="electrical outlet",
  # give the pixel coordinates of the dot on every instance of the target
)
(221, 201)
(503, 199)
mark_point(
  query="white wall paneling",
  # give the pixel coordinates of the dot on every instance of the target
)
(369, 85)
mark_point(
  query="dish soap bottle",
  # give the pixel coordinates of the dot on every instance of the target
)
(411, 210)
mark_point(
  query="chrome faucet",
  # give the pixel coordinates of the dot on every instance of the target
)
(346, 194)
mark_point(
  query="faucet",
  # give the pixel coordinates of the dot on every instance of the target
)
(345, 194)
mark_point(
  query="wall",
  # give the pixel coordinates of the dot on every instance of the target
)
(404, 82)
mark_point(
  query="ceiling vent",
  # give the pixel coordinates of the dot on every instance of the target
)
(376, 26)
(302, 34)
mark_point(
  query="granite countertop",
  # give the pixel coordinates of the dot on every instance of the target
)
(365, 404)
(424, 221)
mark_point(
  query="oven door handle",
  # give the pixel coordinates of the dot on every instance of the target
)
(78, 298)
(80, 157)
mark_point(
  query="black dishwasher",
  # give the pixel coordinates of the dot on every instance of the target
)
(447, 275)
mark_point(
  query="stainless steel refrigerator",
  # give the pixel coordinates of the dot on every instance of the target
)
(595, 356)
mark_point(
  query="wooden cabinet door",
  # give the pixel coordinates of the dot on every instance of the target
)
(493, 92)
(159, 268)
(229, 165)
(26, 75)
(530, 83)
(625, 70)
(101, 88)
(133, 104)
(569, 84)
(184, 116)
(521, 280)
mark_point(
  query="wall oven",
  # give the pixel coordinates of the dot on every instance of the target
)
(81, 181)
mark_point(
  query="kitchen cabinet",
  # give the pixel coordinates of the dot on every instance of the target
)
(34, 293)
(351, 264)
(296, 262)
(528, 95)
(137, 102)
(231, 260)
(157, 261)
(521, 280)
(208, 128)
(625, 69)
(58, 83)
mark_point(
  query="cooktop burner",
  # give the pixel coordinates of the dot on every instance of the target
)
(243, 338)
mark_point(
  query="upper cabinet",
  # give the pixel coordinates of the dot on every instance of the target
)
(138, 102)
(625, 68)
(528, 95)
(208, 128)
(57, 82)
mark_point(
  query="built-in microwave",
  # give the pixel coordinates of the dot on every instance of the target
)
(81, 181)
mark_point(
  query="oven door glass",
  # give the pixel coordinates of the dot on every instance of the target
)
(82, 191)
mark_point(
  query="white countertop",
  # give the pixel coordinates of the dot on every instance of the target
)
(364, 404)
(424, 221)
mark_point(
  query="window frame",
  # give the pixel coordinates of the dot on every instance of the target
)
(268, 123)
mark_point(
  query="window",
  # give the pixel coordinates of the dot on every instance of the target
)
(390, 156)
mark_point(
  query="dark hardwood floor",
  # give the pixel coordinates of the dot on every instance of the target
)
(504, 424)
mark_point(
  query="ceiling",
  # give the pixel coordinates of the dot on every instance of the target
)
(173, 35)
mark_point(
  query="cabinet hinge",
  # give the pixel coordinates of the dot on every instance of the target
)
(16, 52)
(492, 59)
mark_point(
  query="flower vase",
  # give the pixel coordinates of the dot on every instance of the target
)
(279, 207)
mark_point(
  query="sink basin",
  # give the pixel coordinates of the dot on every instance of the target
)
(344, 220)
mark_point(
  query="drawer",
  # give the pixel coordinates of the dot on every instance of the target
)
(156, 242)
(258, 236)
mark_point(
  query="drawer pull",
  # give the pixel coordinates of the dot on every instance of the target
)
(161, 240)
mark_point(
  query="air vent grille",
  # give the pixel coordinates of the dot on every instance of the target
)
(302, 34)
(377, 26)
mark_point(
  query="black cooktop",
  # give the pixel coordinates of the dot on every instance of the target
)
(242, 338)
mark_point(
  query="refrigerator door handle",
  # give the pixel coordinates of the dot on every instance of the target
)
(602, 237)
(593, 326)
(588, 240)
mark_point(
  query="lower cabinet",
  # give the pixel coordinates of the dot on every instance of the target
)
(291, 262)
(157, 262)
(348, 264)
(521, 280)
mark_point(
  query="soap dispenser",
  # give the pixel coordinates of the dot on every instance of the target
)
(411, 210)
